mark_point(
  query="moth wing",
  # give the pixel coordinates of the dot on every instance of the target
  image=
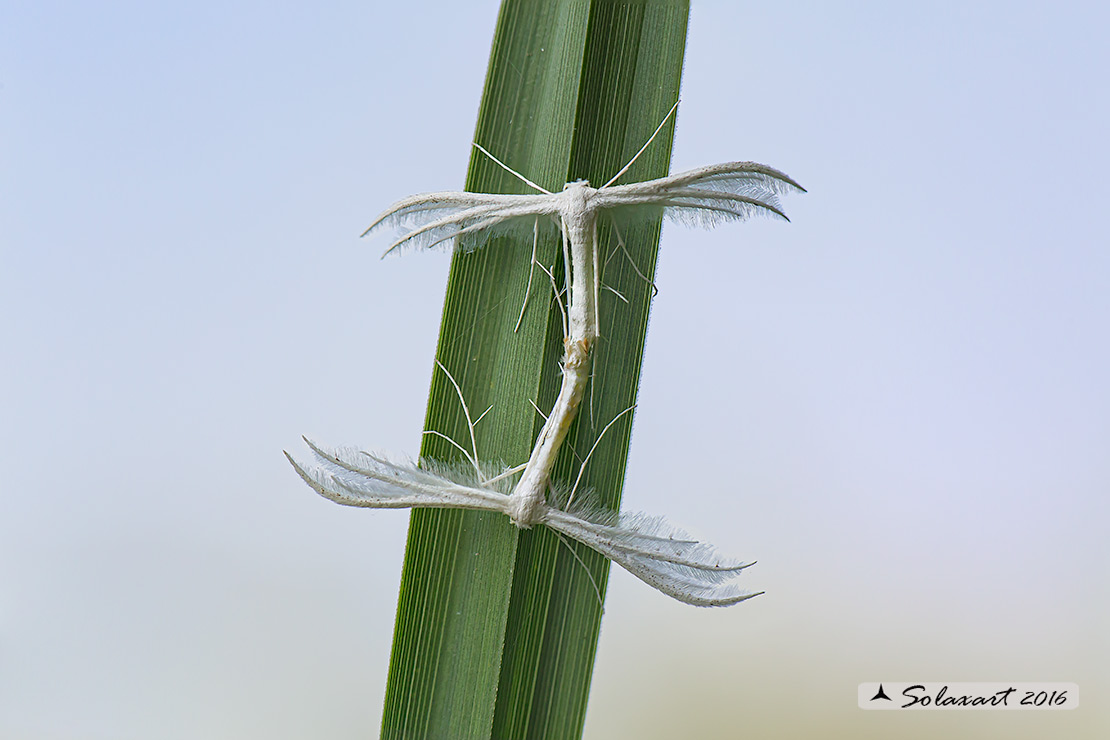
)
(355, 477)
(660, 555)
(707, 196)
(466, 219)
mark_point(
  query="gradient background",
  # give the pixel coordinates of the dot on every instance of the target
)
(919, 364)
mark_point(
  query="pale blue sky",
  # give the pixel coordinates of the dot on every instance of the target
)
(919, 364)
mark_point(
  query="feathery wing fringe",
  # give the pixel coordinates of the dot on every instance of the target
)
(434, 218)
(705, 197)
(658, 554)
(735, 177)
(647, 547)
(357, 478)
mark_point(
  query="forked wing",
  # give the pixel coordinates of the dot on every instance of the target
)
(708, 195)
(469, 218)
(660, 555)
(356, 478)
(657, 553)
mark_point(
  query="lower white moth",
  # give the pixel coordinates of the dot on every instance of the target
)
(647, 547)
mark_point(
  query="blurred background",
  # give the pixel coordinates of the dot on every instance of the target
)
(919, 363)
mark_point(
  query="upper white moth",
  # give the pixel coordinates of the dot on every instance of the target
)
(648, 547)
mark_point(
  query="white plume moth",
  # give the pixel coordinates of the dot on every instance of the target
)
(649, 548)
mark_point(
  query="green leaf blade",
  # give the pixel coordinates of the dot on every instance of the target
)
(496, 627)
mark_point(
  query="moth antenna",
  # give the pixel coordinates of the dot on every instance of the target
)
(510, 170)
(645, 146)
(589, 573)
